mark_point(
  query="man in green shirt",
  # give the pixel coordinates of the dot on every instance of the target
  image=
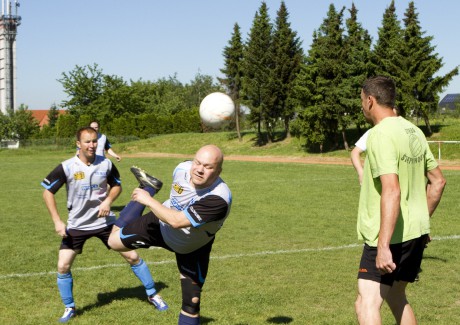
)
(402, 186)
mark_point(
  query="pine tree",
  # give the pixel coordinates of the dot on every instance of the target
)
(257, 64)
(387, 55)
(53, 115)
(420, 89)
(357, 44)
(322, 75)
(233, 58)
(287, 55)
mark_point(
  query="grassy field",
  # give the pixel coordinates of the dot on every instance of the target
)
(288, 253)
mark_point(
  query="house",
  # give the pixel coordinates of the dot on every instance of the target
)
(450, 103)
(41, 115)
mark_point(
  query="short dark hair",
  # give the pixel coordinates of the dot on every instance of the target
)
(85, 129)
(382, 88)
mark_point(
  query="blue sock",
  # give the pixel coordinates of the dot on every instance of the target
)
(132, 210)
(187, 320)
(65, 286)
(141, 270)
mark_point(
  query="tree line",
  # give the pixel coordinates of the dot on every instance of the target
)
(314, 96)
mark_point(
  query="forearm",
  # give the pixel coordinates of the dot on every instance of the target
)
(389, 213)
(113, 154)
(356, 159)
(433, 196)
(50, 203)
(175, 219)
(113, 194)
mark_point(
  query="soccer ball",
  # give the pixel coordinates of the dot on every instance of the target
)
(216, 110)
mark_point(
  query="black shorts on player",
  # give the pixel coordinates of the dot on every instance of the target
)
(407, 256)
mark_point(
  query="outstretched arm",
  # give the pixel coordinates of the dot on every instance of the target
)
(113, 154)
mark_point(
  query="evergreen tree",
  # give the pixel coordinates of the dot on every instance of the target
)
(257, 64)
(420, 89)
(357, 44)
(53, 114)
(287, 56)
(233, 58)
(387, 58)
(323, 75)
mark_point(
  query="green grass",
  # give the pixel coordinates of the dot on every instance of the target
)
(288, 253)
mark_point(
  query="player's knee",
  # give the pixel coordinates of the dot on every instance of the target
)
(63, 268)
(191, 294)
(115, 242)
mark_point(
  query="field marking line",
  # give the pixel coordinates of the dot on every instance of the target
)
(223, 257)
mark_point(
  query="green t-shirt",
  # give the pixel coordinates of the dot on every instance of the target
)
(396, 146)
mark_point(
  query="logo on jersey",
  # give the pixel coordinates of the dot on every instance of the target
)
(195, 213)
(179, 189)
(78, 176)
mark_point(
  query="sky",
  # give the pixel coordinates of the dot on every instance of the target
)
(153, 39)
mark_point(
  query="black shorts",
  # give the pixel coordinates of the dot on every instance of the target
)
(76, 239)
(145, 232)
(407, 256)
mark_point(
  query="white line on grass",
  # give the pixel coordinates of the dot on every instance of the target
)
(223, 257)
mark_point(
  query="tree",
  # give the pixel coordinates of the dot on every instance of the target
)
(84, 85)
(287, 58)
(53, 115)
(5, 126)
(233, 58)
(257, 64)
(387, 55)
(420, 89)
(321, 78)
(357, 45)
(23, 124)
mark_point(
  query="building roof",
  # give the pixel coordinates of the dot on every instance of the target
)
(450, 101)
(41, 115)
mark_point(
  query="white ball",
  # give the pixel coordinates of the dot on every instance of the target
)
(216, 109)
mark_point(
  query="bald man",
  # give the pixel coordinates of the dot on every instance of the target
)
(185, 224)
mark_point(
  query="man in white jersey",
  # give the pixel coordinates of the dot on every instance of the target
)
(87, 178)
(103, 144)
(185, 224)
(402, 186)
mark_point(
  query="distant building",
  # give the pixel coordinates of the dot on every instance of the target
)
(41, 115)
(449, 103)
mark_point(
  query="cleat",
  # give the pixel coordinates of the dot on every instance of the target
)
(158, 302)
(145, 180)
(69, 312)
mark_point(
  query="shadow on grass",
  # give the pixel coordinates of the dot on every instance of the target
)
(280, 320)
(120, 294)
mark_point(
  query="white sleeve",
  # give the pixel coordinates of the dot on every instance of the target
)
(361, 143)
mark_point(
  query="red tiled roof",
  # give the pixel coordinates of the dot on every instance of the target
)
(41, 115)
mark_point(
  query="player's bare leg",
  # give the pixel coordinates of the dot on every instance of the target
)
(397, 301)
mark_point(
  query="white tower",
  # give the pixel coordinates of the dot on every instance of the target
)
(8, 30)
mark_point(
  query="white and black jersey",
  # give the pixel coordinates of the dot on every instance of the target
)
(206, 210)
(103, 144)
(86, 189)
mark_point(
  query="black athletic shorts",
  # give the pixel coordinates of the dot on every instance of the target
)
(76, 238)
(407, 256)
(145, 232)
